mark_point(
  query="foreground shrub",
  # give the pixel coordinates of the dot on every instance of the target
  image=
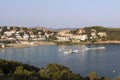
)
(58, 72)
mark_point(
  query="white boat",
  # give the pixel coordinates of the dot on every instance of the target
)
(70, 51)
(74, 51)
(67, 52)
(95, 48)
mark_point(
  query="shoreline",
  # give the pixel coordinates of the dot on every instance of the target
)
(20, 45)
(88, 42)
(60, 43)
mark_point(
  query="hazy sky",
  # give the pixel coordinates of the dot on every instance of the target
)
(60, 13)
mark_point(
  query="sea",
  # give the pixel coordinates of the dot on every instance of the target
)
(105, 62)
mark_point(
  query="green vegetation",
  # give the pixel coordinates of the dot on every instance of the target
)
(58, 72)
(112, 33)
(11, 70)
(97, 28)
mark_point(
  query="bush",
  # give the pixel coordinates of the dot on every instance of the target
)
(58, 72)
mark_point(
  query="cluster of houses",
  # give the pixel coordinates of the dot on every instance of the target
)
(97, 35)
(79, 35)
(43, 34)
(21, 34)
(66, 35)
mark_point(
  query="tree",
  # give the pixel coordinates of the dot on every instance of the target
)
(21, 71)
(58, 72)
(93, 76)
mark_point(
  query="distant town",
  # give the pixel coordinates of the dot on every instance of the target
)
(25, 35)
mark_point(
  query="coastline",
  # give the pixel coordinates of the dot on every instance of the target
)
(108, 42)
(88, 42)
(20, 45)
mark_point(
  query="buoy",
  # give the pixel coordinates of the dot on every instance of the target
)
(59, 49)
(113, 71)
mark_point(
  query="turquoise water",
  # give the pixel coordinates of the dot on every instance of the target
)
(105, 62)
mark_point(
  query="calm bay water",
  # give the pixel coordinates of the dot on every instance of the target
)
(104, 62)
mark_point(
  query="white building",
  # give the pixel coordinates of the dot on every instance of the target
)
(79, 37)
(63, 38)
(9, 33)
(25, 37)
(102, 34)
(84, 37)
(18, 37)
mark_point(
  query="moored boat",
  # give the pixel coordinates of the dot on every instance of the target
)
(70, 51)
(95, 48)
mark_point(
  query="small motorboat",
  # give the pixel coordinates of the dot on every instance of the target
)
(74, 51)
(70, 51)
(66, 52)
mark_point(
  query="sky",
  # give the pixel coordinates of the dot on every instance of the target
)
(60, 13)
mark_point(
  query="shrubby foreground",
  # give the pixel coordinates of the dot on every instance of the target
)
(11, 70)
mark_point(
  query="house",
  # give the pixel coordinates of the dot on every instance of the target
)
(32, 36)
(79, 37)
(80, 31)
(25, 37)
(84, 37)
(39, 33)
(63, 38)
(4, 37)
(102, 34)
(76, 37)
(93, 34)
(46, 35)
(11, 38)
(18, 37)
(63, 32)
(9, 33)
(93, 30)
(42, 38)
